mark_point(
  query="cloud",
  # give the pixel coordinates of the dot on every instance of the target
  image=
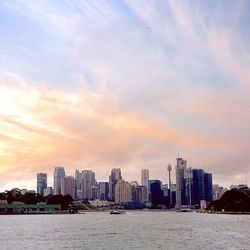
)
(123, 84)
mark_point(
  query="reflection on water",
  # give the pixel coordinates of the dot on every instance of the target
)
(133, 230)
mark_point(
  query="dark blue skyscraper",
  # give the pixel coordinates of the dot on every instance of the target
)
(208, 187)
(156, 193)
(198, 187)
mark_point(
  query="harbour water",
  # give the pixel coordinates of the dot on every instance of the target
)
(133, 230)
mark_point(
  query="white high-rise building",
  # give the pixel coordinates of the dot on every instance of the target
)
(145, 179)
(41, 183)
(88, 180)
(181, 167)
(59, 175)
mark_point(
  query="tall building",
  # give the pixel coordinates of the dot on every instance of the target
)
(94, 193)
(181, 167)
(88, 180)
(169, 183)
(145, 179)
(208, 187)
(104, 190)
(198, 187)
(69, 186)
(59, 175)
(41, 183)
(78, 185)
(156, 193)
(113, 178)
(188, 179)
(123, 191)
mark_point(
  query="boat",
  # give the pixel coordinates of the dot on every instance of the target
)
(184, 210)
(117, 212)
(81, 212)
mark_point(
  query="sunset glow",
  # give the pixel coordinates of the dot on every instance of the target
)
(104, 84)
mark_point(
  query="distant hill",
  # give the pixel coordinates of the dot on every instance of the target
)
(234, 200)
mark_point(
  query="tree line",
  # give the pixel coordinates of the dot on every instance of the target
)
(15, 195)
(234, 200)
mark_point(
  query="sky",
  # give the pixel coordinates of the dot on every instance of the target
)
(130, 84)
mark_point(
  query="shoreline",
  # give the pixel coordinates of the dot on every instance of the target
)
(233, 213)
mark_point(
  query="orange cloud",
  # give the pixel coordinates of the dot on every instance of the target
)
(41, 128)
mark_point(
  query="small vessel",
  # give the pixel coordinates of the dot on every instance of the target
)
(117, 212)
(184, 210)
(81, 212)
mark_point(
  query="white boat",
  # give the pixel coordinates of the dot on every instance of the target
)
(117, 212)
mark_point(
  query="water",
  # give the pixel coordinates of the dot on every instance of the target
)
(133, 230)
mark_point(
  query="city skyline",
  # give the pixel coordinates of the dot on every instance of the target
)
(59, 174)
(117, 84)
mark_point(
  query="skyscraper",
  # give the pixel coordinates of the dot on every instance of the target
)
(198, 187)
(145, 179)
(88, 180)
(169, 183)
(104, 190)
(156, 193)
(113, 178)
(59, 175)
(41, 183)
(78, 185)
(69, 186)
(188, 178)
(180, 182)
(208, 187)
(123, 191)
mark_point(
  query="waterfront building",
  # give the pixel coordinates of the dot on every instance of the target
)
(88, 180)
(69, 186)
(123, 191)
(181, 167)
(21, 208)
(48, 191)
(59, 175)
(41, 183)
(104, 190)
(113, 178)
